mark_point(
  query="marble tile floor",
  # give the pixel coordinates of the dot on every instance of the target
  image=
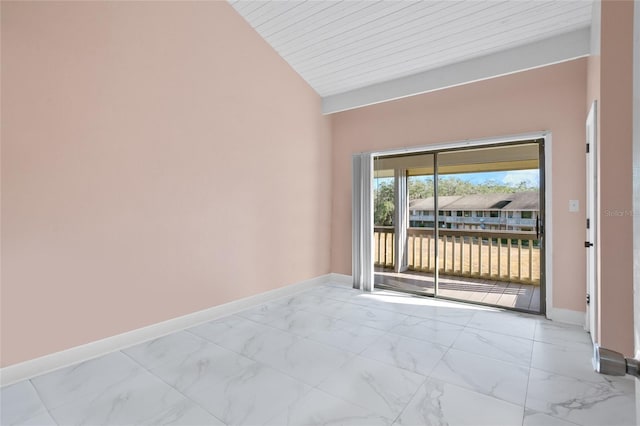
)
(335, 356)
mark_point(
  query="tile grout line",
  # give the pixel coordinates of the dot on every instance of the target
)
(46, 409)
(428, 376)
(357, 404)
(424, 382)
(255, 360)
(350, 356)
(171, 386)
(481, 356)
(548, 372)
(93, 395)
(526, 393)
(360, 354)
(295, 335)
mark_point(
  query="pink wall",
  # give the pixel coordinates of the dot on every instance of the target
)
(616, 176)
(158, 158)
(550, 98)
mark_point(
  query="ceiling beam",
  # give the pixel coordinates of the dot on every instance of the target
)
(549, 51)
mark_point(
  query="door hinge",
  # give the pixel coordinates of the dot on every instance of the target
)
(588, 223)
(587, 244)
(588, 299)
(587, 148)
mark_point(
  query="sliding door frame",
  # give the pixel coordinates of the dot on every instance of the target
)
(544, 140)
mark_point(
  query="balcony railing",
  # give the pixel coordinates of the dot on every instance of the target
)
(383, 242)
(497, 255)
(504, 221)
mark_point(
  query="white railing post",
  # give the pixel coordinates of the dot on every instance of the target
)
(519, 259)
(531, 261)
(509, 259)
(499, 257)
(471, 256)
(453, 253)
(401, 222)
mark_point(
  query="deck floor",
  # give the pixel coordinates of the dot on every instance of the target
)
(498, 293)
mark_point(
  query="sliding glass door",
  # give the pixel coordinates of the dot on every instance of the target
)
(463, 224)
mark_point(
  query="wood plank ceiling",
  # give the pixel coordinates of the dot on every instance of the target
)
(338, 46)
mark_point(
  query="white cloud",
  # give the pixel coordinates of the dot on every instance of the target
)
(515, 177)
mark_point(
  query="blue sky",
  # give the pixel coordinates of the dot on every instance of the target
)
(512, 177)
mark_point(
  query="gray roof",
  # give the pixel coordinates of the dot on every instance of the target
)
(427, 203)
(515, 201)
(525, 201)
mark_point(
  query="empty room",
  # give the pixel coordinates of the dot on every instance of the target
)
(320, 212)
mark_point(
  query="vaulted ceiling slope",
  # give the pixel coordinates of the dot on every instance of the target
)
(339, 46)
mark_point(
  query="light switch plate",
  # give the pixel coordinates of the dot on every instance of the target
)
(574, 206)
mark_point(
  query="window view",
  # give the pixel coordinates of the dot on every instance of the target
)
(480, 234)
(383, 201)
(489, 200)
(383, 212)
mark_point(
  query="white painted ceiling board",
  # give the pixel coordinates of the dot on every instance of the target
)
(290, 43)
(438, 37)
(338, 80)
(339, 46)
(560, 48)
(386, 31)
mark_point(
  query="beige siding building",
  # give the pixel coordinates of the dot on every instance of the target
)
(517, 211)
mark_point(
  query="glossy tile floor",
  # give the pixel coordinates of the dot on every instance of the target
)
(333, 355)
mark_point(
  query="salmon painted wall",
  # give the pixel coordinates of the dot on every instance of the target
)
(158, 158)
(550, 98)
(616, 176)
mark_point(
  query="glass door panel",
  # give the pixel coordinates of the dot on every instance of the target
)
(384, 206)
(404, 185)
(488, 225)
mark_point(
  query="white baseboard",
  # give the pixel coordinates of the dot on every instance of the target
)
(35, 367)
(566, 316)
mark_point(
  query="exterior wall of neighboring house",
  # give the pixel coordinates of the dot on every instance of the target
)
(514, 220)
(493, 211)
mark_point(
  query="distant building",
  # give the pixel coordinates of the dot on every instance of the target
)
(517, 212)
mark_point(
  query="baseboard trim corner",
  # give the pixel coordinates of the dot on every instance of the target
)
(25, 370)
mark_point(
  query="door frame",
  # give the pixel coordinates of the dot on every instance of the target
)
(546, 264)
(592, 287)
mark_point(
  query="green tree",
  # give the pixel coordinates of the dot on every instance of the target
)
(420, 188)
(383, 204)
(451, 185)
